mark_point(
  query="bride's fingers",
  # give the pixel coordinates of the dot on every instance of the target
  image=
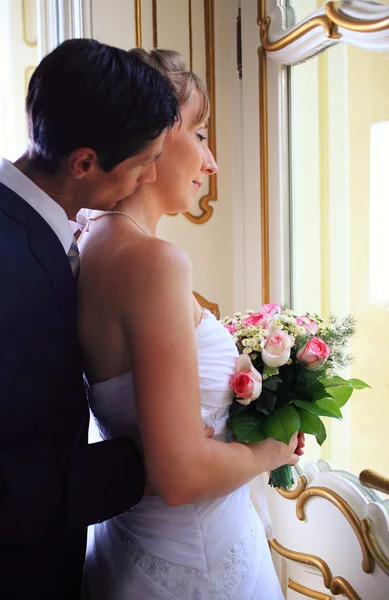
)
(209, 432)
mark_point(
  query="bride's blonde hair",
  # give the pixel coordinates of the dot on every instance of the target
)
(172, 64)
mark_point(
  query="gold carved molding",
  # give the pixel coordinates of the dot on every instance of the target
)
(211, 196)
(263, 159)
(211, 306)
(302, 589)
(374, 480)
(330, 29)
(339, 18)
(155, 23)
(28, 71)
(28, 18)
(305, 559)
(336, 585)
(296, 492)
(209, 28)
(138, 22)
(373, 546)
(339, 585)
(346, 510)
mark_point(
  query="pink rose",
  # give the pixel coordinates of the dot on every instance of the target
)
(309, 324)
(314, 351)
(231, 328)
(276, 348)
(271, 309)
(247, 382)
(257, 319)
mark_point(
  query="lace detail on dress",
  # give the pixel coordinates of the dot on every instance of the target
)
(212, 417)
(193, 584)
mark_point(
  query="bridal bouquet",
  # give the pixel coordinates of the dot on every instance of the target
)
(286, 376)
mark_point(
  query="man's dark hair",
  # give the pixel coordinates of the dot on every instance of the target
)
(85, 94)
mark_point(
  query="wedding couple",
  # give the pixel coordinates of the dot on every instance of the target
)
(169, 500)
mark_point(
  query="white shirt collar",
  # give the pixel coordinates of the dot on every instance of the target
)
(49, 210)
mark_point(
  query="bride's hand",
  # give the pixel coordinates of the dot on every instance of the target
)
(272, 454)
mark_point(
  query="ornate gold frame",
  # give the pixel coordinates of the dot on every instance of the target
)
(371, 552)
(209, 26)
(155, 24)
(30, 43)
(302, 589)
(211, 306)
(345, 509)
(336, 585)
(138, 22)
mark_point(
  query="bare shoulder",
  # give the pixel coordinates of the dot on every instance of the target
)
(155, 258)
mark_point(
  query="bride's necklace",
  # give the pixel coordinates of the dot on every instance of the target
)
(115, 212)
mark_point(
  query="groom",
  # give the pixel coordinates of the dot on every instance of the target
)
(97, 118)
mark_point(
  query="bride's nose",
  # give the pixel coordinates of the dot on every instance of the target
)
(209, 163)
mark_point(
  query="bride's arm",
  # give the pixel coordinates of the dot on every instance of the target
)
(182, 464)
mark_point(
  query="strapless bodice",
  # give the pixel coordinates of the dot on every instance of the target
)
(112, 401)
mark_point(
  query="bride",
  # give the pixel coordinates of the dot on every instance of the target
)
(159, 368)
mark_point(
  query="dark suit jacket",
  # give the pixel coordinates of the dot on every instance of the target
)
(52, 484)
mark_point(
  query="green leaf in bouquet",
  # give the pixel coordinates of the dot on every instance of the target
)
(282, 424)
(248, 427)
(333, 381)
(358, 384)
(309, 423)
(312, 424)
(341, 394)
(322, 434)
(266, 402)
(270, 371)
(272, 383)
(324, 407)
(318, 391)
(330, 406)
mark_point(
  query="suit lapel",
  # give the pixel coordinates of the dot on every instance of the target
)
(47, 249)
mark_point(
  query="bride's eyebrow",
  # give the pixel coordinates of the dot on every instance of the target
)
(202, 125)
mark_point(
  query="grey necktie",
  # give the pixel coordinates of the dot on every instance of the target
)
(74, 257)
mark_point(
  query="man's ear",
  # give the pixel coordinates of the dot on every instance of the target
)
(81, 162)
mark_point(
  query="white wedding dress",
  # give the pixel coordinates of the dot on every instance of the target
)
(211, 550)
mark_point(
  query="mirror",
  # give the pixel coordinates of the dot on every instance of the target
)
(339, 144)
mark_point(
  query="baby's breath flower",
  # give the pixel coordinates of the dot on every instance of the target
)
(247, 350)
(254, 356)
(237, 314)
(249, 311)
(245, 343)
(257, 347)
(289, 362)
(301, 330)
(251, 328)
